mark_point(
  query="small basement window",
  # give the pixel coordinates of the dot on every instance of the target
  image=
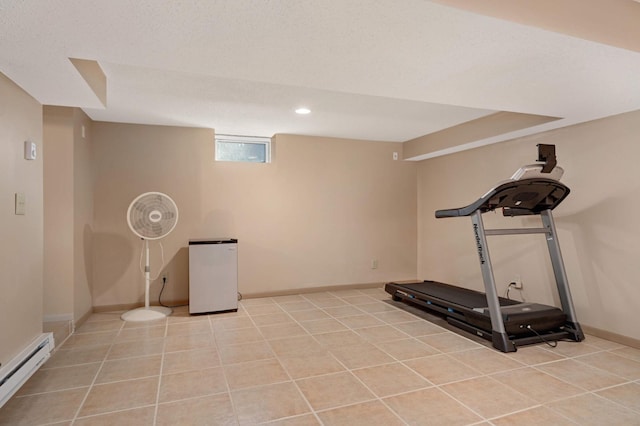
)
(250, 149)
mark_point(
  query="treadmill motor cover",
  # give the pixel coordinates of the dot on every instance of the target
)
(522, 318)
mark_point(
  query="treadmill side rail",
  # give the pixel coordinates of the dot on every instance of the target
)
(499, 337)
(560, 274)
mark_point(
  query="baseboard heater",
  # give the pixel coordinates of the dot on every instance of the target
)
(19, 369)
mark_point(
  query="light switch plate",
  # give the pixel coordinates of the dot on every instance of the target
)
(21, 204)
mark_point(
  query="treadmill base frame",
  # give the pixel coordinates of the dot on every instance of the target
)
(501, 341)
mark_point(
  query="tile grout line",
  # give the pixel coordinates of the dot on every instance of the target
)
(224, 373)
(376, 397)
(523, 366)
(104, 359)
(396, 360)
(311, 410)
(545, 404)
(481, 374)
(380, 399)
(164, 345)
(122, 410)
(339, 362)
(537, 368)
(436, 386)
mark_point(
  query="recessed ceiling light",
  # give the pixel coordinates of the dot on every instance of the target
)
(303, 111)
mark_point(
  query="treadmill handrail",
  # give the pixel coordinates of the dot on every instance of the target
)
(516, 198)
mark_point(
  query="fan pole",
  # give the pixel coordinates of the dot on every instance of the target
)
(147, 313)
(147, 274)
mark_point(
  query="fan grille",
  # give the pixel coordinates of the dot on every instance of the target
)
(152, 215)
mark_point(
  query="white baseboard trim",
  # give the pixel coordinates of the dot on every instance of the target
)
(613, 337)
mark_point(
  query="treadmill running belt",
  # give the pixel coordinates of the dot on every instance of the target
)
(470, 307)
(468, 298)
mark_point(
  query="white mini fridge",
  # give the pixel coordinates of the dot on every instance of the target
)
(213, 275)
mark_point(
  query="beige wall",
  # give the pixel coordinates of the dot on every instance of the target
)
(316, 216)
(68, 207)
(597, 223)
(22, 246)
(83, 215)
(58, 208)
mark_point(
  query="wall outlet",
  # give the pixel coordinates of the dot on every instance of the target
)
(374, 264)
(517, 283)
(164, 277)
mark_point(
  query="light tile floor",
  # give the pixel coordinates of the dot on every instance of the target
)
(335, 358)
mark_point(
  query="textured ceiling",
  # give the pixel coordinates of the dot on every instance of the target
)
(369, 69)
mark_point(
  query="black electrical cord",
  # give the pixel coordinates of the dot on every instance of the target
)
(164, 282)
(551, 344)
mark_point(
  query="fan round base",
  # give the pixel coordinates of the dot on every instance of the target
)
(146, 314)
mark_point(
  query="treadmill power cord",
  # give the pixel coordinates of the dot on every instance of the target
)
(514, 285)
(551, 344)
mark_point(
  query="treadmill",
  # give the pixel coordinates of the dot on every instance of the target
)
(533, 190)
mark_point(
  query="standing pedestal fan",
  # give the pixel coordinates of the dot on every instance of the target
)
(151, 216)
